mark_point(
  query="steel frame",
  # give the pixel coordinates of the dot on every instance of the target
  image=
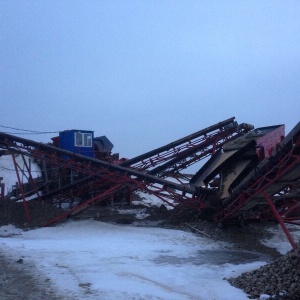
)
(188, 150)
(164, 153)
(269, 174)
(208, 146)
(101, 180)
(287, 203)
(113, 177)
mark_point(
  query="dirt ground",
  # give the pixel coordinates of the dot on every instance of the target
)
(17, 283)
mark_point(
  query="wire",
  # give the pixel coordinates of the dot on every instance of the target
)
(1, 167)
(13, 170)
(28, 131)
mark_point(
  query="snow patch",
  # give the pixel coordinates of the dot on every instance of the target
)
(106, 261)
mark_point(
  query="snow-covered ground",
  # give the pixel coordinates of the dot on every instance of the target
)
(95, 260)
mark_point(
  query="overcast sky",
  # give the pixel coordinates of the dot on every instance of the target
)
(145, 73)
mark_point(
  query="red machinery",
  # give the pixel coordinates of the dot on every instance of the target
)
(258, 178)
(271, 189)
(94, 180)
(252, 174)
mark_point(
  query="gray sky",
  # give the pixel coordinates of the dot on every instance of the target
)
(145, 73)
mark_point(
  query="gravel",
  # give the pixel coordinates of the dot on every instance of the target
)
(279, 279)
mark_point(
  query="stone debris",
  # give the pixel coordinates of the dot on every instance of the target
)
(279, 279)
(183, 213)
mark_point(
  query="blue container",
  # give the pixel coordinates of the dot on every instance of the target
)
(77, 141)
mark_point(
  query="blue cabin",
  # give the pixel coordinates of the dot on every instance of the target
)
(77, 141)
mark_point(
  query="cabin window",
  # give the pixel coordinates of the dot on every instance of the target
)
(83, 139)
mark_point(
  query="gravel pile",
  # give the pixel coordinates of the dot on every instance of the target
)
(184, 213)
(279, 279)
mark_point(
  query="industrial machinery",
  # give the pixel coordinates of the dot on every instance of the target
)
(250, 173)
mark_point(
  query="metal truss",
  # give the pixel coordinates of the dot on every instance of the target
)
(188, 150)
(105, 177)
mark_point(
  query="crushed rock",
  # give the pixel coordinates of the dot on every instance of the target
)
(279, 279)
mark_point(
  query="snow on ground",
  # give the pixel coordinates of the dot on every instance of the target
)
(279, 239)
(94, 260)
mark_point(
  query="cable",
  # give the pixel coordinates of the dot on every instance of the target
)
(7, 169)
(30, 131)
(13, 170)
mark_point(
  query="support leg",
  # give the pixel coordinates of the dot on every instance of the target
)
(279, 219)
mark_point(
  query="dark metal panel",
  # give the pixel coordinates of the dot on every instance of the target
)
(103, 144)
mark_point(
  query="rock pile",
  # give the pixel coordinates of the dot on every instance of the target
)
(184, 213)
(279, 279)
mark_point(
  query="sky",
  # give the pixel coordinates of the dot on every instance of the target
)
(146, 73)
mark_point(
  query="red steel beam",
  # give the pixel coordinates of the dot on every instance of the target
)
(279, 219)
